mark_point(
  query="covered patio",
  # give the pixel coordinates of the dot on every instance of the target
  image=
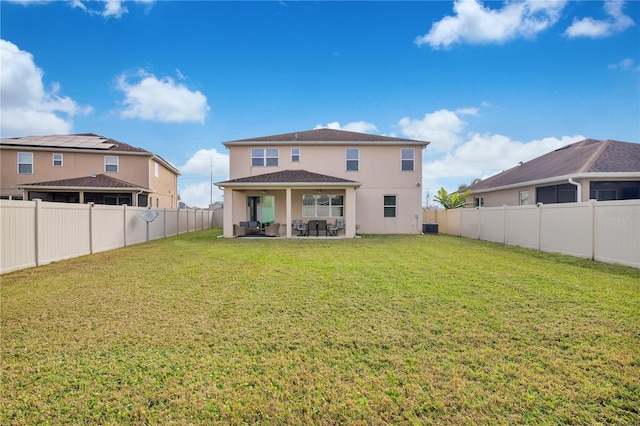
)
(287, 196)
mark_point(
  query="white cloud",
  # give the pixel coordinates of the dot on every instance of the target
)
(150, 98)
(114, 9)
(485, 155)
(27, 107)
(589, 27)
(106, 8)
(205, 162)
(442, 128)
(625, 64)
(474, 23)
(354, 126)
(200, 194)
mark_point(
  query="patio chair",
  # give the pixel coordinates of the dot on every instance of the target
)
(322, 227)
(239, 230)
(272, 230)
(334, 229)
(302, 228)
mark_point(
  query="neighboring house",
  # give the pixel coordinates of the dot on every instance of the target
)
(590, 169)
(372, 182)
(85, 168)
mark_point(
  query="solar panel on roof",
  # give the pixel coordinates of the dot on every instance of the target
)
(71, 141)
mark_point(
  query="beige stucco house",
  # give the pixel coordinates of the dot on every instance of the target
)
(586, 170)
(371, 182)
(85, 168)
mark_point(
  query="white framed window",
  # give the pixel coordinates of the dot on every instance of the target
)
(295, 155)
(261, 157)
(390, 205)
(156, 169)
(478, 201)
(352, 157)
(111, 164)
(524, 198)
(25, 163)
(408, 159)
(322, 205)
(57, 160)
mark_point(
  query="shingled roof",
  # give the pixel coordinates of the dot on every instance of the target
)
(97, 181)
(288, 177)
(326, 136)
(587, 156)
(75, 141)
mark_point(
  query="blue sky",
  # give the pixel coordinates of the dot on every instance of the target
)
(489, 84)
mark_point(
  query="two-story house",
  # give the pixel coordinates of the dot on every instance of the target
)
(85, 168)
(371, 182)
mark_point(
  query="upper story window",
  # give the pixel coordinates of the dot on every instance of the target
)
(408, 159)
(353, 159)
(261, 157)
(295, 155)
(389, 206)
(25, 163)
(111, 164)
(156, 169)
(57, 160)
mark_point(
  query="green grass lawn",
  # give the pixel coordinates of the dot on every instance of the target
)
(378, 330)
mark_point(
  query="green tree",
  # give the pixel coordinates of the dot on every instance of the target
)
(453, 201)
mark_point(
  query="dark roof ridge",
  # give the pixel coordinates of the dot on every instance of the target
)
(587, 164)
(325, 135)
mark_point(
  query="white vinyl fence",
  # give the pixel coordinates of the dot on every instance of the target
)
(606, 231)
(34, 233)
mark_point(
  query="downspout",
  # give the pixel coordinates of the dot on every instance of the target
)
(578, 189)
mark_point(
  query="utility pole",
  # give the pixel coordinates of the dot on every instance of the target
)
(211, 183)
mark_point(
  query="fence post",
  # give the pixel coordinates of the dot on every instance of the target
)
(38, 224)
(91, 206)
(164, 222)
(539, 205)
(592, 207)
(504, 224)
(124, 233)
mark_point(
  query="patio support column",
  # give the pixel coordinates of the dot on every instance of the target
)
(227, 217)
(288, 212)
(350, 213)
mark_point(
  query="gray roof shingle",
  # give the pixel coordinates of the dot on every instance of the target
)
(327, 136)
(99, 181)
(288, 177)
(74, 141)
(587, 156)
